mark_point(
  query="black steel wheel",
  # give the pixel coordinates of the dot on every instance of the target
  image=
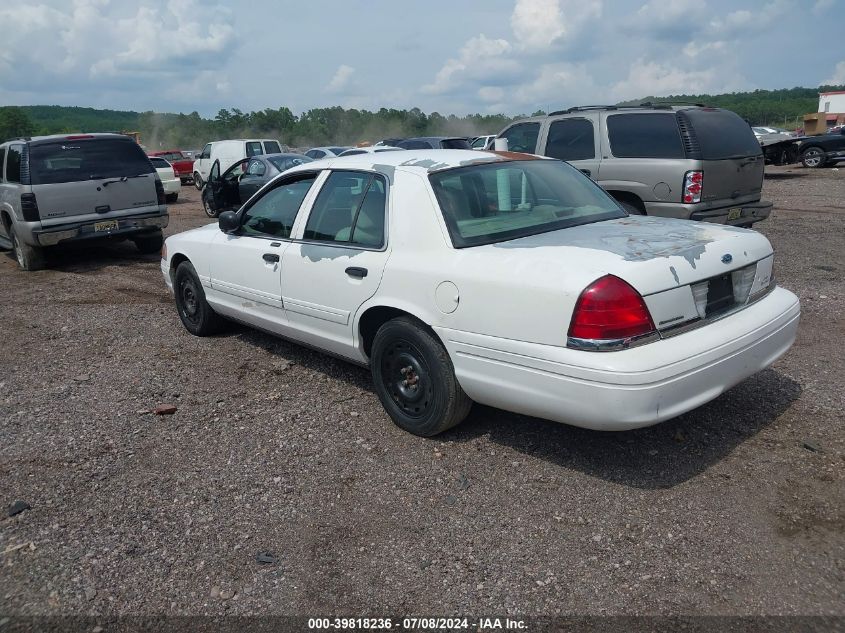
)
(415, 380)
(197, 316)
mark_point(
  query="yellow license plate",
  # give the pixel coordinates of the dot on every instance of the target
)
(109, 225)
(734, 214)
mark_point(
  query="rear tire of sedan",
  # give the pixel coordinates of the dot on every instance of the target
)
(29, 257)
(813, 157)
(149, 243)
(415, 380)
(197, 316)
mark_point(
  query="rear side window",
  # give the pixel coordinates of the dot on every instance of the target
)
(639, 135)
(272, 147)
(349, 209)
(522, 137)
(75, 160)
(13, 163)
(722, 134)
(455, 143)
(253, 149)
(571, 139)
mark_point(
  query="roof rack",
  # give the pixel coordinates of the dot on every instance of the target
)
(645, 104)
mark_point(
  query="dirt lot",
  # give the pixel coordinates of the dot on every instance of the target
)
(736, 508)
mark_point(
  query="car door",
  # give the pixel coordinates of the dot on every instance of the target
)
(338, 260)
(254, 177)
(222, 190)
(246, 265)
(203, 162)
(575, 140)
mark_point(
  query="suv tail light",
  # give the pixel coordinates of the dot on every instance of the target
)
(29, 207)
(160, 192)
(609, 310)
(693, 184)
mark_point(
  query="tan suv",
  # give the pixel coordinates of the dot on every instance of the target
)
(692, 162)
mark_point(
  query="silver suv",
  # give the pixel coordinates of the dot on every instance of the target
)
(692, 162)
(76, 187)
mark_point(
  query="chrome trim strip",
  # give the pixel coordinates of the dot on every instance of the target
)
(610, 345)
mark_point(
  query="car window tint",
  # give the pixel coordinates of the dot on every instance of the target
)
(455, 143)
(722, 134)
(206, 151)
(571, 139)
(337, 150)
(291, 161)
(272, 147)
(522, 137)
(639, 135)
(73, 160)
(353, 152)
(256, 168)
(253, 149)
(496, 202)
(349, 209)
(415, 145)
(274, 212)
(13, 163)
(159, 163)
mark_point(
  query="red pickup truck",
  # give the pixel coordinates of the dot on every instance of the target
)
(183, 166)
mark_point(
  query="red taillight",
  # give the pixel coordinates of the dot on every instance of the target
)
(693, 185)
(610, 309)
(77, 137)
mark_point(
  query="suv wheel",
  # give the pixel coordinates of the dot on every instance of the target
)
(198, 183)
(29, 257)
(149, 243)
(197, 316)
(415, 380)
(812, 157)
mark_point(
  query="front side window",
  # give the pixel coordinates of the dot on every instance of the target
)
(495, 202)
(73, 160)
(273, 214)
(571, 139)
(350, 209)
(13, 163)
(253, 149)
(206, 151)
(639, 135)
(522, 137)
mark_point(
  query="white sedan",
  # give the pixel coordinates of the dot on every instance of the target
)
(172, 183)
(499, 278)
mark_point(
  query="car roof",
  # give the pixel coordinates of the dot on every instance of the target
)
(282, 155)
(77, 136)
(421, 160)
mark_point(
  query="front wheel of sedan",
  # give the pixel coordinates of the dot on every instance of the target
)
(415, 380)
(212, 213)
(813, 157)
(197, 316)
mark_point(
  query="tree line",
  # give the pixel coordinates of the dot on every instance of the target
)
(336, 125)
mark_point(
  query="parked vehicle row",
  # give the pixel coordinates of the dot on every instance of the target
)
(228, 152)
(63, 188)
(182, 163)
(508, 280)
(170, 181)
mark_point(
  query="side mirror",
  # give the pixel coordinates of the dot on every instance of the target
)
(228, 221)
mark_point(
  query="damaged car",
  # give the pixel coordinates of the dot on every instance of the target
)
(504, 279)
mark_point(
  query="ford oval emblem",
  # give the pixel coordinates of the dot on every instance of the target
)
(727, 258)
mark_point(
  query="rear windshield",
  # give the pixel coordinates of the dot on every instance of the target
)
(159, 163)
(455, 143)
(337, 150)
(502, 201)
(722, 134)
(86, 159)
(286, 162)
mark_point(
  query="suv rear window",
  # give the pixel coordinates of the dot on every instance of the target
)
(86, 159)
(455, 143)
(495, 202)
(722, 134)
(645, 136)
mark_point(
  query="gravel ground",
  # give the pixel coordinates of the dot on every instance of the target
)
(735, 508)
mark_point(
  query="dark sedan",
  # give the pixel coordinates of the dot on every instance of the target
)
(237, 184)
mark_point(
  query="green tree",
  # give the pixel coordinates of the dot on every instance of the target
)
(14, 123)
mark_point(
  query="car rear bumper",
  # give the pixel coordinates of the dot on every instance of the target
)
(126, 225)
(172, 186)
(616, 391)
(749, 212)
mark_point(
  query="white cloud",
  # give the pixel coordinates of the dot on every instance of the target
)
(649, 78)
(540, 24)
(669, 19)
(823, 5)
(341, 78)
(481, 61)
(838, 77)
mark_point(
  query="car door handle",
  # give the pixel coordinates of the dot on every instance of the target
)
(356, 271)
(270, 258)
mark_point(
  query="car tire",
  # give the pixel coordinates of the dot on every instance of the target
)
(813, 157)
(212, 213)
(29, 257)
(415, 379)
(149, 243)
(196, 315)
(198, 183)
(172, 197)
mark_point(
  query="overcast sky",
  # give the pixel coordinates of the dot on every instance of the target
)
(449, 56)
